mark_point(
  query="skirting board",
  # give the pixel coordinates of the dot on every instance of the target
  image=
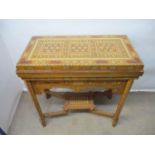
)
(12, 113)
(132, 90)
(142, 90)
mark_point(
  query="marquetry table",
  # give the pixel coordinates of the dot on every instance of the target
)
(79, 63)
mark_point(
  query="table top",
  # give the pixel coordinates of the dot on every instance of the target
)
(80, 53)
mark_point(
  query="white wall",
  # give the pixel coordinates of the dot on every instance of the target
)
(10, 88)
(16, 34)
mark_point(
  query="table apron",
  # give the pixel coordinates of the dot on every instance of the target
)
(117, 86)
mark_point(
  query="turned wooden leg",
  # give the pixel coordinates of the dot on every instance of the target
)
(36, 102)
(121, 102)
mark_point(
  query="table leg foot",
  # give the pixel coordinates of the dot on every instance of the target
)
(114, 122)
(43, 122)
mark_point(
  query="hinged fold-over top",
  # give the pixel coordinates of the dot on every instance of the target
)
(79, 56)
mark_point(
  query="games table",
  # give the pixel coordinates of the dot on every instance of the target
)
(107, 62)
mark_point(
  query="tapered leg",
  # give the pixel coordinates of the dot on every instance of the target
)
(121, 102)
(36, 103)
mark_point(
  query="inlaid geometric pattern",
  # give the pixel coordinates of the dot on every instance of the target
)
(83, 48)
(80, 53)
